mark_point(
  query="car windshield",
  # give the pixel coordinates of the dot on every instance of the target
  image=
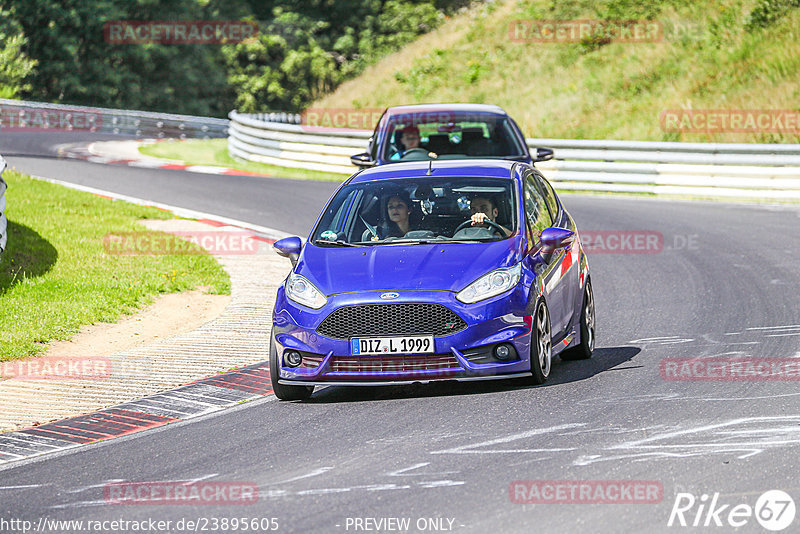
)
(418, 210)
(450, 135)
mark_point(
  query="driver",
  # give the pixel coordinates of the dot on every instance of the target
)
(409, 138)
(484, 208)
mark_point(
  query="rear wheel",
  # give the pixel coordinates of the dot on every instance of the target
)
(583, 351)
(541, 346)
(282, 391)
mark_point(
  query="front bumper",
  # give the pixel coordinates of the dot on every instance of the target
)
(459, 356)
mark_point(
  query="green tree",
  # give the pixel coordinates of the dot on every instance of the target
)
(307, 47)
(15, 66)
(77, 65)
(304, 49)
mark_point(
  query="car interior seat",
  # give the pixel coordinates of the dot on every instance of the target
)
(445, 215)
(503, 212)
(370, 213)
(499, 143)
(440, 144)
(474, 143)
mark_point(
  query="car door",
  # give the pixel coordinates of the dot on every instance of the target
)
(538, 218)
(570, 260)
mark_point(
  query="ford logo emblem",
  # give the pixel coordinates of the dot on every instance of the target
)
(389, 296)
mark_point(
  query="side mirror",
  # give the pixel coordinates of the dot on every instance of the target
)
(555, 238)
(289, 247)
(362, 160)
(543, 154)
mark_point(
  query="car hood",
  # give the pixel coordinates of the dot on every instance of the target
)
(449, 267)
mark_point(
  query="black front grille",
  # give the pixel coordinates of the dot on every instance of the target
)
(376, 320)
(392, 364)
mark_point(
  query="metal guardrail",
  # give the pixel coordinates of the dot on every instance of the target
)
(671, 152)
(3, 220)
(294, 145)
(21, 115)
(695, 169)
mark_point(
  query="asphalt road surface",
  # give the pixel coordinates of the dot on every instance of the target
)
(449, 456)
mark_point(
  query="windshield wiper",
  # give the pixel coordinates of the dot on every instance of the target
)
(439, 241)
(338, 242)
(476, 240)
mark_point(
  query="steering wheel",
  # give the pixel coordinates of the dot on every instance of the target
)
(486, 221)
(415, 151)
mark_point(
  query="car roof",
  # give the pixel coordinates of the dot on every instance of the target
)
(490, 168)
(431, 108)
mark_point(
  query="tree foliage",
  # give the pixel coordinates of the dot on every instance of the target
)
(15, 66)
(56, 51)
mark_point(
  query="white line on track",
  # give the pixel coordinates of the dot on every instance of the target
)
(405, 471)
(315, 472)
(783, 335)
(95, 486)
(270, 233)
(784, 327)
(104, 502)
(466, 449)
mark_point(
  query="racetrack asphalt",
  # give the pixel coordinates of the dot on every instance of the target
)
(725, 284)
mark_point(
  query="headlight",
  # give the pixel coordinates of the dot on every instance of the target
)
(300, 290)
(489, 285)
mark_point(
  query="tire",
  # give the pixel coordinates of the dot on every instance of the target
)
(583, 351)
(282, 391)
(541, 347)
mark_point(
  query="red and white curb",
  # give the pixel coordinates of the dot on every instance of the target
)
(192, 400)
(186, 402)
(86, 153)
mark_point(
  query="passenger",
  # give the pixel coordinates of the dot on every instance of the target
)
(398, 209)
(484, 208)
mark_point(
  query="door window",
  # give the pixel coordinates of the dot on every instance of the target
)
(535, 210)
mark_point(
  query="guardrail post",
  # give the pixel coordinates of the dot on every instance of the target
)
(3, 219)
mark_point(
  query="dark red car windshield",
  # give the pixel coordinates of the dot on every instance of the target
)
(451, 135)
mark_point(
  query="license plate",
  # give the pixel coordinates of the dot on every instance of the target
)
(391, 345)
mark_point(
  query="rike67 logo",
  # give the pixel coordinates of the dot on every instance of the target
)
(774, 511)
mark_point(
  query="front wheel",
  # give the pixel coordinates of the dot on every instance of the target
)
(282, 391)
(541, 347)
(583, 351)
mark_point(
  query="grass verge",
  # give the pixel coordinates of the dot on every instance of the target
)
(215, 152)
(55, 275)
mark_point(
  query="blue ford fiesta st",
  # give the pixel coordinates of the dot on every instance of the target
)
(435, 270)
